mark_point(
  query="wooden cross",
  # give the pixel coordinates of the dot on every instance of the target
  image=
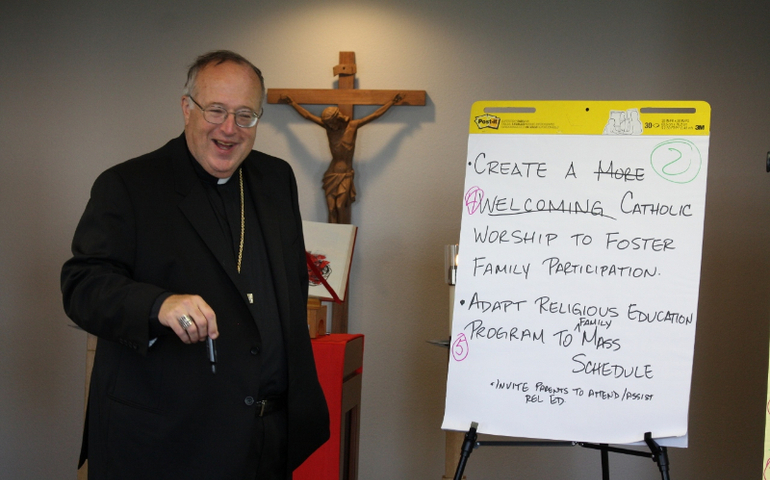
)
(345, 96)
(341, 128)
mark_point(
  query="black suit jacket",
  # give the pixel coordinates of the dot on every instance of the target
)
(159, 412)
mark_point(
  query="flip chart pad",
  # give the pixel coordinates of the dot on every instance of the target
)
(579, 268)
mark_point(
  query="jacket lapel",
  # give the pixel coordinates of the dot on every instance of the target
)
(196, 207)
(268, 214)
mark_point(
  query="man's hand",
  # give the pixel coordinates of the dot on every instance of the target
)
(200, 313)
(285, 99)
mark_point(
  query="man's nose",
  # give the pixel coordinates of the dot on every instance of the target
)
(229, 126)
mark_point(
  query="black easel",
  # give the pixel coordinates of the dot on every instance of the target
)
(658, 454)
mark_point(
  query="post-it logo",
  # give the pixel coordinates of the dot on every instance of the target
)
(487, 121)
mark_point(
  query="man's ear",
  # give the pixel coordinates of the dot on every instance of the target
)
(186, 108)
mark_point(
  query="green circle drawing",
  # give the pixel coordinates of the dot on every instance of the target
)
(677, 160)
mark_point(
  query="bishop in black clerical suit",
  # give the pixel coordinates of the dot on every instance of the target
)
(201, 238)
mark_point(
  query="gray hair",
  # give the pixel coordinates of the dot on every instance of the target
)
(218, 57)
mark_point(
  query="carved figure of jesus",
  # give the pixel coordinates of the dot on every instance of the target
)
(341, 131)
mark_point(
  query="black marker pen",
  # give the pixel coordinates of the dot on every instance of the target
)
(211, 349)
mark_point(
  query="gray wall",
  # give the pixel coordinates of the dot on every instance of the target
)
(86, 84)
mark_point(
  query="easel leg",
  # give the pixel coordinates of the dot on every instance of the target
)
(605, 462)
(659, 455)
(465, 452)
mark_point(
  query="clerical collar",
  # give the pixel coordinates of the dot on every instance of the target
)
(204, 175)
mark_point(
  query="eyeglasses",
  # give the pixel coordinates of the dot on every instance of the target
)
(217, 115)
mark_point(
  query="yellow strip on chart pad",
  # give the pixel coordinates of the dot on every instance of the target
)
(591, 117)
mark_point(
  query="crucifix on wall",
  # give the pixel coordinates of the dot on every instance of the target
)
(341, 128)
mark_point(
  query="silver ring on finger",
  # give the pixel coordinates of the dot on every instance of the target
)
(185, 322)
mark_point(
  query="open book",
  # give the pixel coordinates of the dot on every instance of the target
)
(329, 253)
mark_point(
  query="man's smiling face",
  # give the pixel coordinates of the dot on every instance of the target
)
(220, 149)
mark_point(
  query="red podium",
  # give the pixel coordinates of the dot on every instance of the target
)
(339, 360)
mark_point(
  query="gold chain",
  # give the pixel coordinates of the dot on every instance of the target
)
(243, 220)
